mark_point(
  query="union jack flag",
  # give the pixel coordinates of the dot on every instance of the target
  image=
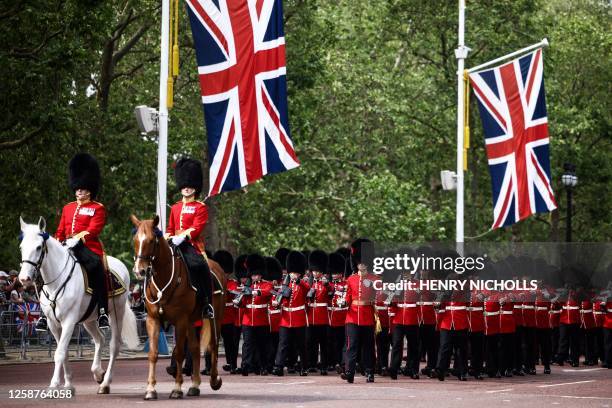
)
(512, 108)
(240, 49)
(32, 310)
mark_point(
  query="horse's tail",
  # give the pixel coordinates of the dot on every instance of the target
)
(205, 335)
(129, 332)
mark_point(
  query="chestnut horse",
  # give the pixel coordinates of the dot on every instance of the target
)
(169, 297)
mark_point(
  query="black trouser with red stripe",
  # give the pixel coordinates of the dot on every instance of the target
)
(412, 337)
(429, 340)
(359, 337)
(607, 347)
(272, 349)
(569, 343)
(477, 344)
(506, 351)
(336, 345)
(316, 339)
(493, 354)
(449, 340)
(228, 333)
(255, 347)
(544, 345)
(291, 337)
(383, 340)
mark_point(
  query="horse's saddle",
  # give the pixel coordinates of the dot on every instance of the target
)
(116, 286)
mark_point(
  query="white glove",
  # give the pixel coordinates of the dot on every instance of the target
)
(177, 240)
(72, 242)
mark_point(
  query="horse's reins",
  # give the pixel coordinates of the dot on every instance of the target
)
(150, 271)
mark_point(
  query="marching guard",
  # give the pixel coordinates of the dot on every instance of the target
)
(318, 318)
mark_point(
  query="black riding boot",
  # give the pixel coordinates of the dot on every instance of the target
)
(96, 275)
(199, 274)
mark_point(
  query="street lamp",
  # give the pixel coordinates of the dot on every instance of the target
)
(569, 180)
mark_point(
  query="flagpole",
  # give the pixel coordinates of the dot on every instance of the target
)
(162, 148)
(461, 54)
(543, 43)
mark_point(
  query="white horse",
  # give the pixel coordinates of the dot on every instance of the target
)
(64, 302)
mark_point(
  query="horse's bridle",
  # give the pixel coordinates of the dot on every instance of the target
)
(150, 271)
(41, 258)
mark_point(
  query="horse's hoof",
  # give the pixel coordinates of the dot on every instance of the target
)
(175, 394)
(215, 385)
(193, 392)
(150, 395)
(101, 377)
(104, 390)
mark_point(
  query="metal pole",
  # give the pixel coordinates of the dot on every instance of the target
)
(568, 232)
(162, 149)
(543, 43)
(461, 54)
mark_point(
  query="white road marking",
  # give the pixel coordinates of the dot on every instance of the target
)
(504, 390)
(583, 370)
(579, 397)
(291, 383)
(570, 383)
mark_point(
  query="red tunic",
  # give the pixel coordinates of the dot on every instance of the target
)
(76, 218)
(382, 309)
(427, 312)
(518, 308)
(542, 310)
(491, 313)
(554, 314)
(360, 297)
(570, 310)
(274, 313)
(476, 313)
(454, 316)
(256, 305)
(529, 319)
(506, 317)
(607, 324)
(587, 318)
(317, 307)
(337, 312)
(294, 307)
(190, 218)
(599, 312)
(230, 314)
(406, 308)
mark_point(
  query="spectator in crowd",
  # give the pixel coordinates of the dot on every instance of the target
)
(29, 295)
(17, 293)
(3, 299)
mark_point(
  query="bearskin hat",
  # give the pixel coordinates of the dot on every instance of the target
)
(188, 173)
(225, 260)
(344, 251)
(84, 173)
(274, 270)
(281, 255)
(362, 251)
(296, 262)
(255, 265)
(335, 263)
(348, 269)
(240, 266)
(317, 261)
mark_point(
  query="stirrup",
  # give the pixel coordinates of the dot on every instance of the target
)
(103, 321)
(41, 324)
(208, 312)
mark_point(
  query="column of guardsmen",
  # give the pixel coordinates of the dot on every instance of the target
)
(310, 312)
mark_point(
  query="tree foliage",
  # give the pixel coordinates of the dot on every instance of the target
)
(372, 101)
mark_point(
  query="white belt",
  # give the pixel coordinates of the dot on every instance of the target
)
(491, 313)
(518, 306)
(252, 306)
(406, 305)
(381, 307)
(293, 309)
(425, 303)
(474, 309)
(391, 314)
(555, 311)
(598, 313)
(507, 312)
(586, 311)
(317, 305)
(274, 311)
(337, 309)
(571, 307)
(229, 304)
(455, 307)
(528, 307)
(541, 308)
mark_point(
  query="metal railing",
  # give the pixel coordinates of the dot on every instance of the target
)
(20, 341)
